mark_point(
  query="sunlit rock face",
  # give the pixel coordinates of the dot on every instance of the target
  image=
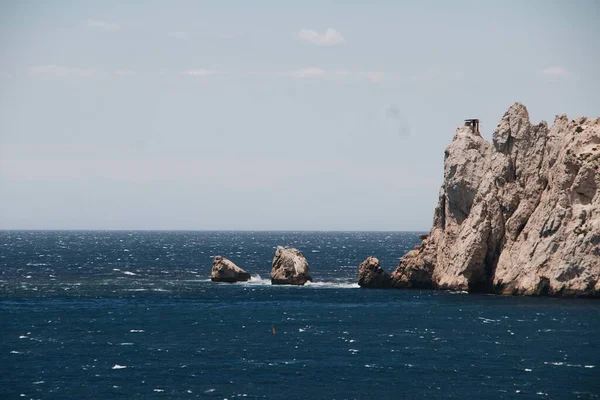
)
(224, 270)
(289, 267)
(520, 215)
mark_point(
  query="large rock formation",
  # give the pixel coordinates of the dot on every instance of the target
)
(520, 215)
(289, 267)
(371, 275)
(224, 270)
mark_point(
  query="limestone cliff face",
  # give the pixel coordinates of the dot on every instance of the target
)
(520, 215)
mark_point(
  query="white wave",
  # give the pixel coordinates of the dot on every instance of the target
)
(125, 344)
(257, 280)
(159, 390)
(18, 352)
(136, 330)
(333, 285)
(589, 366)
(117, 366)
(129, 273)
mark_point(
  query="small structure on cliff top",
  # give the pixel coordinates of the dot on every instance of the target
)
(473, 123)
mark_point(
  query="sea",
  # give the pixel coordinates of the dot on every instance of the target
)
(134, 315)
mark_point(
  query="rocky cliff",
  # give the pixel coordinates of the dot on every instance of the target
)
(520, 215)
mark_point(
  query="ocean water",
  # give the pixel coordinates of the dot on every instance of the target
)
(133, 315)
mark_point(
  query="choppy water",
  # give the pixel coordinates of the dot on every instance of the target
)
(133, 315)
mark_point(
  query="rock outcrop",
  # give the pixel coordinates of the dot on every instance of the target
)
(224, 270)
(371, 275)
(413, 271)
(520, 215)
(289, 267)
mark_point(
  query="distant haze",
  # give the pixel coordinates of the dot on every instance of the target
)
(261, 116)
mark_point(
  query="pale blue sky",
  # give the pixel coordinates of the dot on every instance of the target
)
(261, 115)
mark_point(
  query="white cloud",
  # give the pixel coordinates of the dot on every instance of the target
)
(178, 35)
(201, 72)
(124, 72)
(5, 75)
(103, 25)
(232, 172)
(555, 72)
(330, 37)
(373, 76)
(310, 72)
(60, 71)
(340, 74)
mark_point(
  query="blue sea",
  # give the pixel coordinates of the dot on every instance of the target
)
(133, 315)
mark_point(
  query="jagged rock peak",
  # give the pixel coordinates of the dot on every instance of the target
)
(518, 216)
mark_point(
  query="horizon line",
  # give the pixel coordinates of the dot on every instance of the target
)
(201, 230)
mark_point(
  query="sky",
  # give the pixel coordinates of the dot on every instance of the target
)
(263, 115)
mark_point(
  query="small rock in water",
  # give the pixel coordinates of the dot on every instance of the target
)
(371, 275)
(224, 270)
(289, 267)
